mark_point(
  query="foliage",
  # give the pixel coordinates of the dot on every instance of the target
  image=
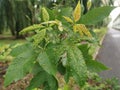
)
(56, 47)
(96, 83)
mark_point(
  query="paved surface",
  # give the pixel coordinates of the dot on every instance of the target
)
(109, 54)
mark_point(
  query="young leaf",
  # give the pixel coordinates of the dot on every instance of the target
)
(68, 19)
(45, 15)
(20, 66)
(31, 28)
(77, 12)
(39, 37)
(96, 15)
(59, 23)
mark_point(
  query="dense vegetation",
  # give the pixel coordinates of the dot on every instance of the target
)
(59, 45)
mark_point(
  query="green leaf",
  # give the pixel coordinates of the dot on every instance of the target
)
(66, 11)
(95, 66)
(96, 15)
(77, 65)
(46, 63)
(20, 66)
(31, 28)
(39, 36)
(92, 65)
(54, 52)
(36, 69)
(52, 83)
(37, 81)
(68, 19)
(45, 79)
(84, 48)
(20, 49)
(45, 14)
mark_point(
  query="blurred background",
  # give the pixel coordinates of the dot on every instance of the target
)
(18, 14)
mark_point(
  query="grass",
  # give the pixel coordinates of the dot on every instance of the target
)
(7, 42)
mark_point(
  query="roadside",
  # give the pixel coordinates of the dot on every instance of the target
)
(109, 54)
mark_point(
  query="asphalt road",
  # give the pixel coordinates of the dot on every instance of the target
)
(109, 54)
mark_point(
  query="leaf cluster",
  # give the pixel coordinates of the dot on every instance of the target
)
(56, 47)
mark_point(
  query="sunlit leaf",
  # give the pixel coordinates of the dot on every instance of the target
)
(32, 27)
(77, 12)
(39, 37)
(68, 19)
(82, 29)
(45, 14)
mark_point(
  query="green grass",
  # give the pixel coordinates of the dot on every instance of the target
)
(6, 41)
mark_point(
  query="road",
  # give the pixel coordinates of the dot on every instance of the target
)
(109, 54)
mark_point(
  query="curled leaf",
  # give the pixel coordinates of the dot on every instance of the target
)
(32, 27)
(68, 19)
(77, 12)
(59, 23)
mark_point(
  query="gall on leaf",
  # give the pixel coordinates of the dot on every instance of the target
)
(77, 12)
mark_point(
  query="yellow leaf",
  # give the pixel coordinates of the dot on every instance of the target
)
(77, 12)
(45, 15)
(68, 19)
(83, 28)
(75, 28)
